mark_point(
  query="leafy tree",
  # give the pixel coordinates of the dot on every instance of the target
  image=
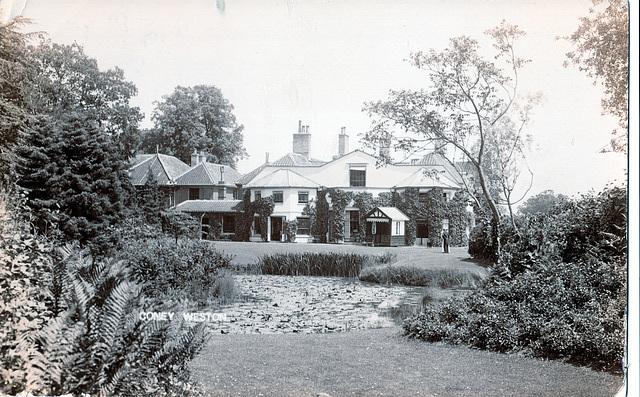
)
(178, 224)
(468, 98)
(69, 81)
(196, 118)
(601, 49)
(542, 202)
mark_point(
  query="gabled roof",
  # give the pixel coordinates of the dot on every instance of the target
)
(283, 178)
(422, 178)
(390, 212)
(208, 174)
(164, 168)
(296, 160)
(209, 206)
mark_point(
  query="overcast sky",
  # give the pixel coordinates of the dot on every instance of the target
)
(318, 61)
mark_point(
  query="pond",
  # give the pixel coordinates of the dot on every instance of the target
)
(305, 304)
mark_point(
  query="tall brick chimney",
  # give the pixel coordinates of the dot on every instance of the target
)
(343, 142)
(302, 140)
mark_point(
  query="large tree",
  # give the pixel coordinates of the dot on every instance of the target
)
(75, 179)
(70, 81)
(15, 73)
(77, 142)
(601, 49)
(196, 118)
(468, 97)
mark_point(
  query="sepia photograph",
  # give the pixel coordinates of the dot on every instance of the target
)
(317, 198)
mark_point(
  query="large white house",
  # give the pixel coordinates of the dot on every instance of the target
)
(213, 191)
(294, 180)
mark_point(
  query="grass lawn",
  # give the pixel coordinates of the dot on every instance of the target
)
(381, 363)
(247, 253)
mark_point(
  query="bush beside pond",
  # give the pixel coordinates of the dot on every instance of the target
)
(559, 289)
(187, 269)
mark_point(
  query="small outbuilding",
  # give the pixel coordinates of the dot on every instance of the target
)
(385, 227)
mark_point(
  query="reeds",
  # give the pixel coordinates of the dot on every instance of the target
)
(421, 276)
(329, 264)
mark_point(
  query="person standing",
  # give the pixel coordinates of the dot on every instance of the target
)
(445, 240)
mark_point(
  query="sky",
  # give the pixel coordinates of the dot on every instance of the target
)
(279, 62)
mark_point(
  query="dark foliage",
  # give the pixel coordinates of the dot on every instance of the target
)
(557, 291)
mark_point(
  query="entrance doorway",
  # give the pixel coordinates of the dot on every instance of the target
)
(276, 228)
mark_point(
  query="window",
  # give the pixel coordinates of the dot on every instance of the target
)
(228, 224)
(257, 195)
(397, 228)
(357, 177)
(221, 194)
(235, 194)
(304, 225)
(278, 196)
(194, 194)
(303, 197)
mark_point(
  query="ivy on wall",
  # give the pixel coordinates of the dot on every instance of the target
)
(320, 222)
(364, 202)
(263, 207)
(339, 201)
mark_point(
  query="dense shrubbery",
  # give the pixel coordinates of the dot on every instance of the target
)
(420, 276)
(69, 323)
(187, 269)
(557, 291)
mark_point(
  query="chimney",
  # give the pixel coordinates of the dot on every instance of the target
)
(343, 142)
(203, 157)
(195, 158)
(266, 157)
(302, 140)
(221, 182)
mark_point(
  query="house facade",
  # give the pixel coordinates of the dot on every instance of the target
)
(295, 179)
(213, 192)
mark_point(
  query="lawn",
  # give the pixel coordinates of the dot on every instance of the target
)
(378, 362)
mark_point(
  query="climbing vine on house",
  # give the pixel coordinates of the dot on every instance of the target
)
(264, 208)
(364, 202)
(244, 218)
(339, 201)
(320, 222)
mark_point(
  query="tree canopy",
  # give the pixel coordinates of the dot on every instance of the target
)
(76, 141)
(601, 50)
(467, 102)
(197, 118)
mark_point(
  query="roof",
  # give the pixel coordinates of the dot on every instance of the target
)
(283, 178)
(246, 178)
(390, 212)
(422, 178)
(164, 168)
(296, 160)
(208, 174)
(209, 206)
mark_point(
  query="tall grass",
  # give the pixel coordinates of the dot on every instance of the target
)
(314, 264)
(420, 276)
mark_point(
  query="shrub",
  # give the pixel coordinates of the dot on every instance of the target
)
(187, 269)
(557, 291)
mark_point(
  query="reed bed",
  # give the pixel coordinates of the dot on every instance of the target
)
(422, 277)
(330, 264)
